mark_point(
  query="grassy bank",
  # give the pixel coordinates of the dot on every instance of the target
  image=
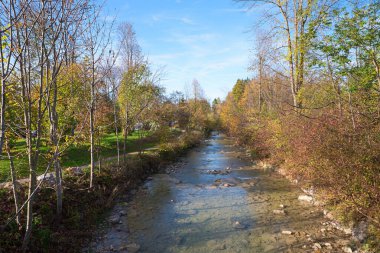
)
(84, 208)
(75, 154)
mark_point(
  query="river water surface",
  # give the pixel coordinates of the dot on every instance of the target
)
(214, 200)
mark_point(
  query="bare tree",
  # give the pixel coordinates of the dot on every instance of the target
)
(96, 41)
(11, 14)
(113, 77)
(132, 59)
(298, 20)
(15, 186)
(65, 20)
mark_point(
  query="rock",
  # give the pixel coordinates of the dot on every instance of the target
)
(179, 240)
(49, 178)
(279, 212)
(306, 198)
(123, 213)
(308, 191)
(215, 245)
(77, 171)
(218, 172)
(282, 206)
(114, 219)
(286, 232)
(244, 242)
(266, 166)
(328, 215)
(347, 231)
(328, 245)
(175, 180)
(347, 250)
(228, 185)
(360, 231)
(133, 248)
(221, 247)
(317, 246)
(323, 230)
(238, 225)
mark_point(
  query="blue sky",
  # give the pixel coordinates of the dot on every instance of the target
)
(209, 40)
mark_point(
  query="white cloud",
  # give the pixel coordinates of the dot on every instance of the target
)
(164, 17)
(229, 10)
(187, 21)
(191, 39)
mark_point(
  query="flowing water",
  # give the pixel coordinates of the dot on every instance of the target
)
(216, 201)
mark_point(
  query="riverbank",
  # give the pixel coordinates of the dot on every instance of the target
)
(215, 200)
(364, 235)
(84, 208)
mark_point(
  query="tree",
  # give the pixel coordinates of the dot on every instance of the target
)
(96, 40)
(299, 21)
(12, 14)
(137, 92)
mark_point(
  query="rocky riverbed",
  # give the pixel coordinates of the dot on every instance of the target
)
(214, 200)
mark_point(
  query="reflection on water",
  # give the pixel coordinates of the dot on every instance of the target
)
(217, 202)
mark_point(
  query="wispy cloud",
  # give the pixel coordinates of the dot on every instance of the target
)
(192, 39)
(163, 17)
(233, 10)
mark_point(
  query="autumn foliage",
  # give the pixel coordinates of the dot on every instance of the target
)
(330, 138)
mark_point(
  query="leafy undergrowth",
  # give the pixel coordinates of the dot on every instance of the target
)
(341, 165)
(83, 208)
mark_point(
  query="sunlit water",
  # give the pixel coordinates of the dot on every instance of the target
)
(193, 210)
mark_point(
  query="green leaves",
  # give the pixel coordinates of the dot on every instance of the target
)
(353, 44)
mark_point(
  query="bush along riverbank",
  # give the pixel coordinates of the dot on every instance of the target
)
(365, 235)
(84, 208)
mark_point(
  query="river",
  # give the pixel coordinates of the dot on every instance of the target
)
(215, 200)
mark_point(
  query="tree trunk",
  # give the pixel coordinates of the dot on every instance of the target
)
(125, 145)
(2, 112)
(116, 131)
(14, 184)
(92, 139)
(260, 82)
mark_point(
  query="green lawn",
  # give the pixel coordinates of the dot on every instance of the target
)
(75, 155)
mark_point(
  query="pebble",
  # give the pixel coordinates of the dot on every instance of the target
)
(347, 250)
(279, 212)
(306, 198)
(328, 245)
(317, 246)
(221, 247)
(238, 225)
(286, 232)
(133, 248)
(114, 220)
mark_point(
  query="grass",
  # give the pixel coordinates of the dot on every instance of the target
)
(75, 155)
